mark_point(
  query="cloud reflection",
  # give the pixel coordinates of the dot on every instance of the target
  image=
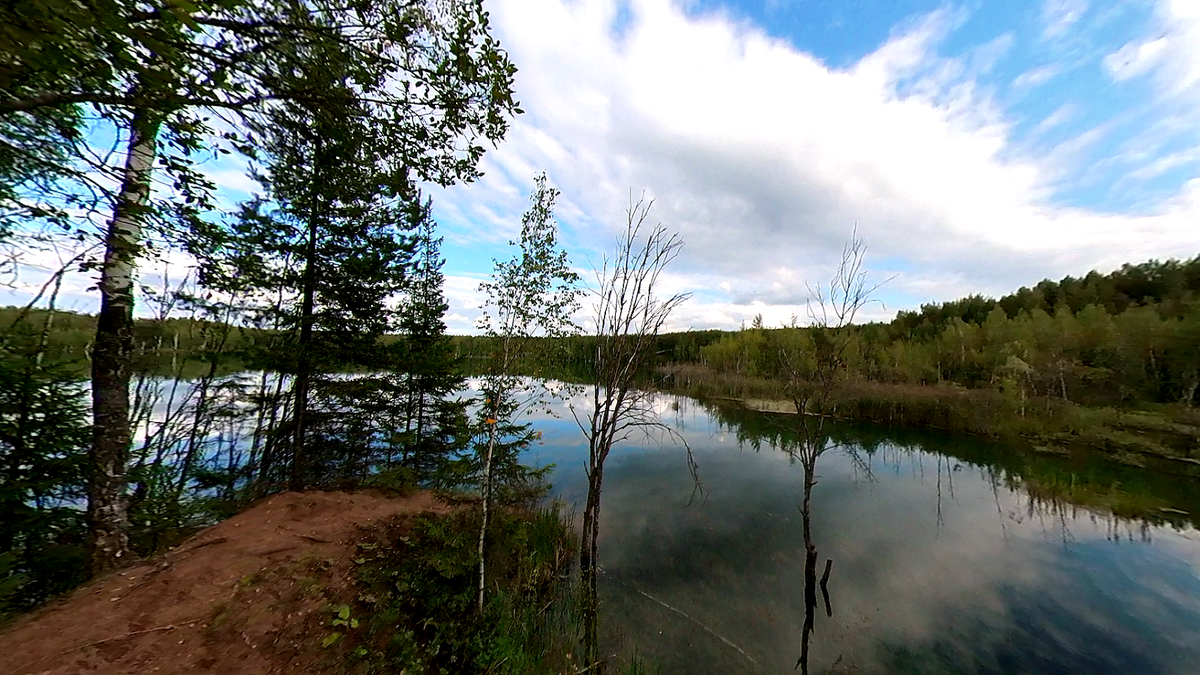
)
(940, 564)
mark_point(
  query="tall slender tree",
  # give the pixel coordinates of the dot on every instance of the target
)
(330, 236)
(434, 421)
(531, 295)
(628, 315)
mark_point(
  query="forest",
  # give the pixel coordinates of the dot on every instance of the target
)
(1128, 338)
(1109, 362)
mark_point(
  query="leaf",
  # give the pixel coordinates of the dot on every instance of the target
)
(344, 612)
(330, 640)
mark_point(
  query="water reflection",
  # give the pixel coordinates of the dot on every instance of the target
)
(813, 442)
(950, 555)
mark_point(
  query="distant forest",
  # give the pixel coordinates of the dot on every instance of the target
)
(1127, 337)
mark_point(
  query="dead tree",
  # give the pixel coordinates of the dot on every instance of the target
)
(814, 364)
(627, 315)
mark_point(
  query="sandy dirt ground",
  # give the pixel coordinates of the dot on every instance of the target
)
(235, 599)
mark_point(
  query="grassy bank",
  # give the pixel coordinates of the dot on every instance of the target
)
(415, 592)
(327, 583)
(1167, 431)
(416, 595)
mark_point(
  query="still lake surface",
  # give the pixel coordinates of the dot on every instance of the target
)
(949, 554)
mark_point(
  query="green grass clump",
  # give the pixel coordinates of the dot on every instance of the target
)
(416, 609)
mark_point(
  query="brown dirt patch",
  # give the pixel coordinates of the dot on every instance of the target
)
(247, 596)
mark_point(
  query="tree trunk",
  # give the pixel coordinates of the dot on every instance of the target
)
(487, 498)
(810, 556)
(588, 553)
(108, 520)
(304, 367)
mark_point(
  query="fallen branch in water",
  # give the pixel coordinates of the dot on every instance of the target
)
(698, 623)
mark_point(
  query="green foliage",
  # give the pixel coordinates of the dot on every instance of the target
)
(1168, 285)
(531, 295)
(349, 105)
(1129, 339)
(43, 441)
(315, 262)
(417, 594)
(436, 425)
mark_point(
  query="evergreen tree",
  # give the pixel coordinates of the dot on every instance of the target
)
(328, 241)
(428, 71)
(435, 423)
(43, 444)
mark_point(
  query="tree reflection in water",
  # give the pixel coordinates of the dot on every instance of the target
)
(812, 445)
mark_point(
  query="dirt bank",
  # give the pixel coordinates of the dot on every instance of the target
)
(233, 599)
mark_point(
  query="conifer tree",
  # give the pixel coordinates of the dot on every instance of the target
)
(328, 237)
(43, 444)
(435, 422)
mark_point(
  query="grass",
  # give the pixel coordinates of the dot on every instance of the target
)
(416, 586)
(1166, 431)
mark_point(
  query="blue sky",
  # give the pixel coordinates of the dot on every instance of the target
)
(1043, 62)
(977, 146)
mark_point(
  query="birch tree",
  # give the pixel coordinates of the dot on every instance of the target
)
(531, 295)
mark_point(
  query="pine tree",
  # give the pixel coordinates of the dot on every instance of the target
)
(428, 71)
(435, 423)
(328, 242)
(43, 445)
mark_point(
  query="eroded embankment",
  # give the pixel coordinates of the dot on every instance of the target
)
(234, 599)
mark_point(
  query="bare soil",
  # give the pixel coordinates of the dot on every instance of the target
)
(248, 596)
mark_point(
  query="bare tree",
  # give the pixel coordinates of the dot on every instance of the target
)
(628, 316)
(814, 365)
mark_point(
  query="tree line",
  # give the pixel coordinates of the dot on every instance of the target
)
(1128, 338)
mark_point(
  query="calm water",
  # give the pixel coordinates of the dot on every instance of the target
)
(949, 555)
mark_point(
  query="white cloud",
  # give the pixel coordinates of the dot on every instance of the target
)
(463, 296)
(764, 159)
(1166, 163)
(1059, 15)
(1036, 76)
(1135, 58)
(1060, 116)
(1171, 51)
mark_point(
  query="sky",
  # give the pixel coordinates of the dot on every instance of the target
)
(975, 147)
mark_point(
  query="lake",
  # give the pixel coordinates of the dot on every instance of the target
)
(949, 554)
